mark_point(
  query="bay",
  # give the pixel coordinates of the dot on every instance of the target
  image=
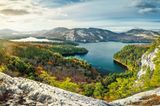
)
(101, 54)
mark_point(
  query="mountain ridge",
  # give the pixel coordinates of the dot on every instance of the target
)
(86, 35)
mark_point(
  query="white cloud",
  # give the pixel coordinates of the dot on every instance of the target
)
(146, 10)
(30, 15)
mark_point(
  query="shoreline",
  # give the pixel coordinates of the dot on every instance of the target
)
(118, 62)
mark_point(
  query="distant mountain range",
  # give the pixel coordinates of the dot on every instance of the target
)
(84, 35)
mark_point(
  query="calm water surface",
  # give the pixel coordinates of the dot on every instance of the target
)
(100, 55)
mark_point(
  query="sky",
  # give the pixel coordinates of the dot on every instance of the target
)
(115, 15)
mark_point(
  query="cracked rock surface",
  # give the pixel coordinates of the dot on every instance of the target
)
(25, 92)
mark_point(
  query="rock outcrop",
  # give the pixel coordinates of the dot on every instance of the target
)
(21, 91)
(24, 92)
(148, 98)
(147, 62)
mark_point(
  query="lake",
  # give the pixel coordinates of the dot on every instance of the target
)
(100, 55)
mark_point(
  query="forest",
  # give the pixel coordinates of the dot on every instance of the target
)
(130, 55)
(45, 63)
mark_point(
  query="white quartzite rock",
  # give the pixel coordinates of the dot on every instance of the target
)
(27, 92)
(147, 62)
(135, 98)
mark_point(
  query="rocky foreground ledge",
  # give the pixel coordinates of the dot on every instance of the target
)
(25, 92)
(147, 98)
(21, 91)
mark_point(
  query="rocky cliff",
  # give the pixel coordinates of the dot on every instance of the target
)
(147, 62)
(147, 77)
(21, 91)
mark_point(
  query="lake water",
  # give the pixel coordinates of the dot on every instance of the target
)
(100, 55)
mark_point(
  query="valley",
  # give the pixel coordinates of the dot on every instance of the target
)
(44, 62)
(101, 70)
(79, 52)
